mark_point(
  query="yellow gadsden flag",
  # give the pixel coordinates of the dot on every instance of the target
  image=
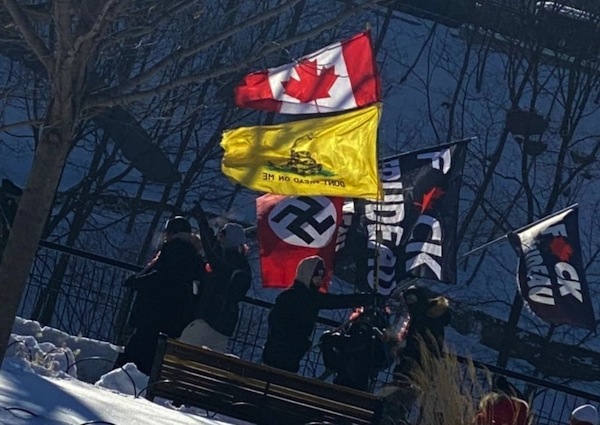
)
(330, 156)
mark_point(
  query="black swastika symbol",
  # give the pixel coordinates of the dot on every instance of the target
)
(304, 218)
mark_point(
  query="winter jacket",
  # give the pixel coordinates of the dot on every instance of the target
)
(226, 281)
(224, 287)
(292, 319)
(164, 289)
(427, 326)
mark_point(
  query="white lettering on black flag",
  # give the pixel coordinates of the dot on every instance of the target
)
(412, 232)
(550, 275)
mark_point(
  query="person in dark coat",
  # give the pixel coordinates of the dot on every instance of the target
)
(227, 279)
(294, 314)
(429, 316)
(358, 350)
(163, 301)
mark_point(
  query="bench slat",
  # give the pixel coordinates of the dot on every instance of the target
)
(187, 371)
(253, 392)
(274, 376)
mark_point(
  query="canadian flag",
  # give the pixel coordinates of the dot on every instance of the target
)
(338, 77)
(292, 228)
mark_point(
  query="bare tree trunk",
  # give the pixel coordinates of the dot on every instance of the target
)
(66, 70)
(32, 213)
(65, 40)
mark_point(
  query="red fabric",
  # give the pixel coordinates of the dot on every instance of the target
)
(278, 258)
(311, 87)
(504, 411)
(362, 70)
(255, 92)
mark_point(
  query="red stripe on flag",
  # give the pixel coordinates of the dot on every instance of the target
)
(362, 69)
(254, 91)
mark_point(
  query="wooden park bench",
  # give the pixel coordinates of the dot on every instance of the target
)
(252, 392)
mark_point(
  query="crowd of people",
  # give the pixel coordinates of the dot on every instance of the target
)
(192, 288)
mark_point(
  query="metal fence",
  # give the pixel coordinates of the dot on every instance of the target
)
(82, 294)
(78, 292)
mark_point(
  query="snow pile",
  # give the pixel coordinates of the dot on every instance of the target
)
(39, 385)
(83, 358)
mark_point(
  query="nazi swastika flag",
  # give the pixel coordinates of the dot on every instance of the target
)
(292, 228)
(550, 275)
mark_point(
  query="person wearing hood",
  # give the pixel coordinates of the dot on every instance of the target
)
(429, 316)
(226, 280)
(585, 414)
(293, 316)
(163, 294)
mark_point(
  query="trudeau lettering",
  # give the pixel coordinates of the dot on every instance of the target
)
(539, 281)
(384, 228)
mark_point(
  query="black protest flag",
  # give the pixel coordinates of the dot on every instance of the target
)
(412, 231)
(550, 275)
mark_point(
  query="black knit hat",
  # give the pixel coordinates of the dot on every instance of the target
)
(178, 224)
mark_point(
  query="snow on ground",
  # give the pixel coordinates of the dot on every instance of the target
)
(39, 385)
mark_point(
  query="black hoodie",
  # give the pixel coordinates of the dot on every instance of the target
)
(293, 317)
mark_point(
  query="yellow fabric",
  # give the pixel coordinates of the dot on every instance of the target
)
(330, 156)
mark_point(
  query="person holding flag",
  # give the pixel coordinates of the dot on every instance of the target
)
(324, 156)
(292, 319)
(226, 279)
(163, 302)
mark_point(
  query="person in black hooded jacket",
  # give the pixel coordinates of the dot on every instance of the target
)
(429, 316)
(294, 314)
(227, 278)
(163, 301)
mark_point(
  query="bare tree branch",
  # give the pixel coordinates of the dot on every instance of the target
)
(184, 53)
(114, 97)
(103, 19)
(28, 33)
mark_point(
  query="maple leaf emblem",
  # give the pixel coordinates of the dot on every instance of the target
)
(561, 248)
(312, 85)
(429, 198)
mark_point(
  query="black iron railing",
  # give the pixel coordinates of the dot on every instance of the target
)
(88, 299)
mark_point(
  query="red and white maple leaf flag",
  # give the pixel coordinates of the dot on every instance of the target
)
(292, 228)
(338, 77)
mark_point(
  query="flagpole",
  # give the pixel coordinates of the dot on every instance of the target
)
(520, 229)
(484, 246)
(538, 221)
(467, 139)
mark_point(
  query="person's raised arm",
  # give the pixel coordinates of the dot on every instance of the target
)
(207, 236)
